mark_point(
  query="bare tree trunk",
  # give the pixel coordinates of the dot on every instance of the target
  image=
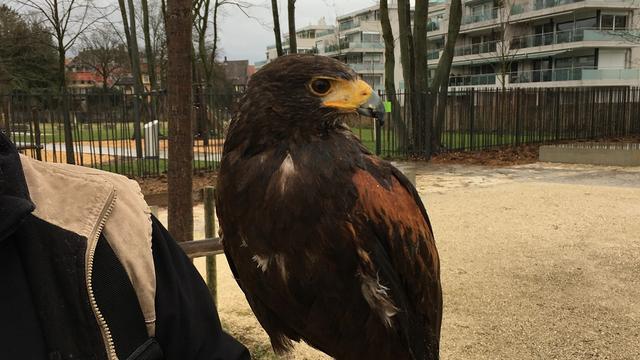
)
(128, 23)
(180, 171)
(276, 27)
(214, 51)
(293, 41)
(137, 76)
(151, 63)
(125, 25)
(420, 92)
(440, 84)
(399, 127)
(66, 116)
(408, 65)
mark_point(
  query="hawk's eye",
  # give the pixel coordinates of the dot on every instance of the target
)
(321, 86)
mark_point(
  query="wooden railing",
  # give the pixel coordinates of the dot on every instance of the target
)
(200, 248)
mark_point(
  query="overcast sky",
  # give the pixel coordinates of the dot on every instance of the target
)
(245, 38)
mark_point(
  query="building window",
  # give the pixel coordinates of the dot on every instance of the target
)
(374, 80)
(613, 22)
(371, 37)
(372, 58)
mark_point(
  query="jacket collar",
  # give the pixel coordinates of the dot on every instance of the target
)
(15, 203)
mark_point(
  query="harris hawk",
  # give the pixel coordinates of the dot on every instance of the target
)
(330, 244)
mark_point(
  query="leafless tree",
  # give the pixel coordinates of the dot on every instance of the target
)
(130, 30)
(440, 83)
(293, 41)
(148, 47)
(421, 98)
(180, 171)
(406, 44)
(389, 79)
(205, 21)
(104, 53)
(505, 51)
(276, 26)
(65, 21)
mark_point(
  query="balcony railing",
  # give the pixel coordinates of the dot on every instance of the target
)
(348, 25)
(485, 16)
(364, 45)
(472, 80)
(353, 45)
(561, 37)
(367, 67)
(534, 5)
(545, 4)
(433, 54)
(573, 74)
(473, 49)
(535, 76)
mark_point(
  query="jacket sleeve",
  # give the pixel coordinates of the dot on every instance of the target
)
(187, 323)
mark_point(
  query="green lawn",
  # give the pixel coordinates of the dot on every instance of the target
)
(142, 167)
(81, 132)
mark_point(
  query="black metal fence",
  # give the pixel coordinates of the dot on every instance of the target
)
(483, 119)
(115, 132)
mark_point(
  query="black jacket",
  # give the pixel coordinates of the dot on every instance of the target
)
(63, 298)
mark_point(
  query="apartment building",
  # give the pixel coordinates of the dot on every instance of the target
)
(510, 43)
(305, 41)
(550, 43)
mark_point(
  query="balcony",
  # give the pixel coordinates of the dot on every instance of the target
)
(367, 67)
(353, 46)
(485, 16)
(474, 49)
(573, 74)
(363, 45)
(472, 80)
(545, 4)
(535, 5)
(561, 37)
(434, 25)
(433, 54)
(348, 25)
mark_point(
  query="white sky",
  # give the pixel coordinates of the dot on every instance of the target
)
(244, 38)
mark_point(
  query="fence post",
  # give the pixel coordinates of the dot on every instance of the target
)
(37, 135)
(210, 232)
(517, 114)
(376, 127)
(472, 112)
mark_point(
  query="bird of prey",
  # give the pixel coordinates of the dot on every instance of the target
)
(330, 244)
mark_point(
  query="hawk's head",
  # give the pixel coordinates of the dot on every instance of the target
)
(308, 90)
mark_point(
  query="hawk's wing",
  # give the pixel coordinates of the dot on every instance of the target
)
(401, 254)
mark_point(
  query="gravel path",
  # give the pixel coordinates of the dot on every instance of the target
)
(539, 261)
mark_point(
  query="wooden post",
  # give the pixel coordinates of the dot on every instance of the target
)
(210, 232)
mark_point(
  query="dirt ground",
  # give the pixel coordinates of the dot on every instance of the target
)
(539, 261)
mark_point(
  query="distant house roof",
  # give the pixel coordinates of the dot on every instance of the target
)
(237, 71)
(83, 76)
(125, 81)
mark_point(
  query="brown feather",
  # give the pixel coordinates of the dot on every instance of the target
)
(329, 244)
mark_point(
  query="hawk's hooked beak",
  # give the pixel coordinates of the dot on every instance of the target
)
(374, 107)
(355, 96)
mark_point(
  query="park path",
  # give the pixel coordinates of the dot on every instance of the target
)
(539, 261)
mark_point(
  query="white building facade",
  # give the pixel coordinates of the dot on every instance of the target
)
(504, 43)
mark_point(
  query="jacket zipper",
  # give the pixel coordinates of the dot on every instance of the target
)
(102, 323)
